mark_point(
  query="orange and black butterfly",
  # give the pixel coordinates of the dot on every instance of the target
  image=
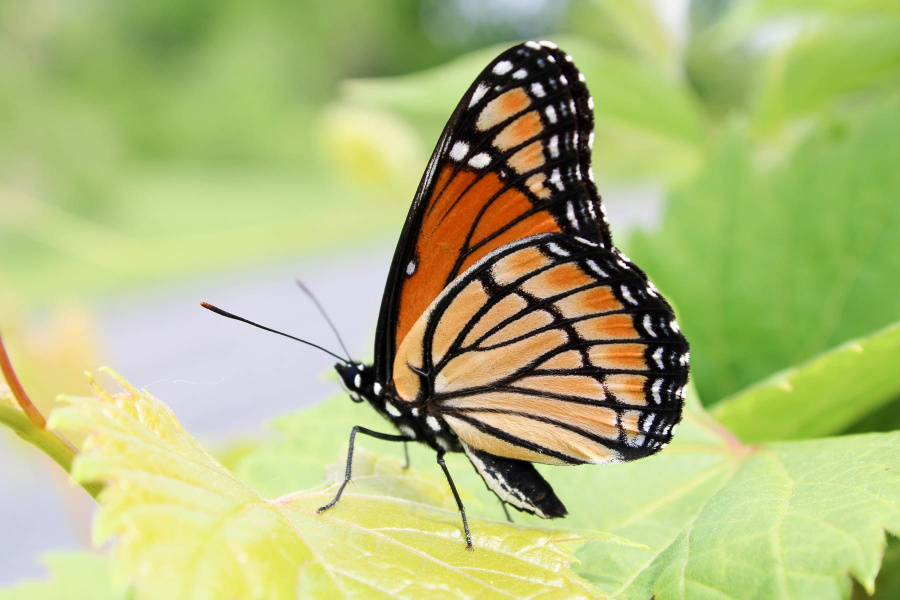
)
(511, 328)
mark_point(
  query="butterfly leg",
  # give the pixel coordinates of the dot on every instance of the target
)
(406, 455)
(506, 512)
(357, 429)
(462, 509)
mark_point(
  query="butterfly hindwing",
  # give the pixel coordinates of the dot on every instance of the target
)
(513, 161)
(552, 349)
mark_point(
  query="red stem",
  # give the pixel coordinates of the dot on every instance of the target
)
(18, 392)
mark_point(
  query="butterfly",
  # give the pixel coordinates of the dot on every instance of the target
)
(511, 328)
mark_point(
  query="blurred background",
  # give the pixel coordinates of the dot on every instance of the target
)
(154, 154)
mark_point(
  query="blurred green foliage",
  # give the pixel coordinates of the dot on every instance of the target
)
(147, 139)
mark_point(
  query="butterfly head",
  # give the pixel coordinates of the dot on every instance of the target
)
(359, 379)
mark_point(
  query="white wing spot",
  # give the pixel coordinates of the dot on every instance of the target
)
(480, 161)
(580, 76)
(655, 390)
(626, 293)
(591, 173)
(407, 431)
(556, 250)
(651, 289)
(551, 58)
(502, 67)
(411, 267)
(551, 114)
(591, 102)
(415, 412)
(572, 106)
(563, 80)
(357, 381)
(549, 44)
(568, 58)
(596, 268)
(648, 422)
(648, 325)
(377, 389)
(591, 140)
(553, 146)
(478, 94)
(533, 45)
(392, 410)
(556, 180)
(673, 325)
(459, 151)
(433, 423)
(570, 213)
(520, 74)
(538, 90)
(657, 356)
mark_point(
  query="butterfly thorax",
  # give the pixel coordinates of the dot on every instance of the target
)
(412, 419)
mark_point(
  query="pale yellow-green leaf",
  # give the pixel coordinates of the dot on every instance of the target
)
(185, 527)
(72, 576)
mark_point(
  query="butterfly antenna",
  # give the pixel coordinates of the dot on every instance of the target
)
(225, 313)
(315, 300)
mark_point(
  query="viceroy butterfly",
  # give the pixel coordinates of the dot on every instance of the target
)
(511, 328)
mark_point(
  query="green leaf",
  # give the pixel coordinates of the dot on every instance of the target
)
(769, 268)
(646, 122)
(822, 397)
(725, 520)
(826, 501)
(628, 25)
(846, 55)
(73, 576)
(186, 527)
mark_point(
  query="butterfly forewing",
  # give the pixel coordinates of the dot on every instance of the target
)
(551, 349)
(513, 162)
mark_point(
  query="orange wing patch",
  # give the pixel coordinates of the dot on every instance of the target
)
(597, 420)
(570, 359)
(557, 280)
(559, 439)
(476, 438)
(504, 106)
(457, 316)
(578, 386)
(508, 307)
(518, 264)
(521, 326)
(525, 128)
(619, 356)
(610, 327)
(475, 368)
(529, 158)
(628, 388)
(597, 300)
(459, 198)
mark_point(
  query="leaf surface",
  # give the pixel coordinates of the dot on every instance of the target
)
(73, 576)
(188, 528)
(725, 520)
(770, 267)
(717, 518)
(822, 397)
